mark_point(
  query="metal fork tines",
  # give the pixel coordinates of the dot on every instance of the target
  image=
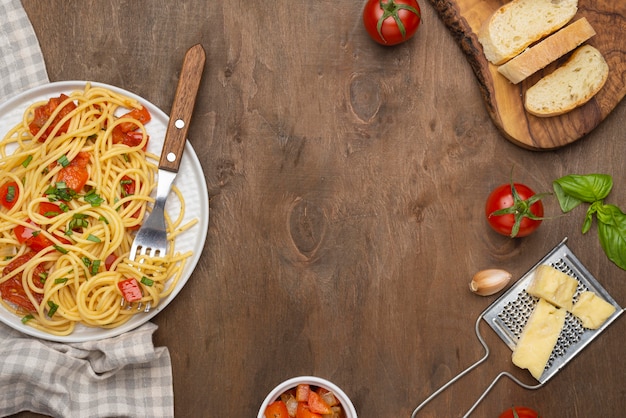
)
(151, 239)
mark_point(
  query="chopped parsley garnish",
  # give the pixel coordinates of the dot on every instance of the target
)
(95, 266)
(60, 249)
(60, 191)
(27, 318)
(63, 161)
(93, 198)
(27, 161)
(10, 196)
(93, 238)
(147, 281)
(79, 220)
(53, 308)
(61, 280)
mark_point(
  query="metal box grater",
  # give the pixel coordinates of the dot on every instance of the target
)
(508, 315)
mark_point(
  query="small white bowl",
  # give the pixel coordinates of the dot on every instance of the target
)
(346, 404)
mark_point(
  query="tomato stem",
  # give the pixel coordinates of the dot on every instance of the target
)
(391, 9)
(520, 209)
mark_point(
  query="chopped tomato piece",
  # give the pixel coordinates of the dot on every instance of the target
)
(35, 240)
(130, 290)
(302, 392)
(136, 216)
(127, 133)
(318, 405)
(108, 262)
(9, 193)
(43, 113)
(12, 290)
(276, 409)
(141, 114)
(303, 411)
(128, 189)
(49, 209)
(132, 139)
(128, 186)
(75, 174)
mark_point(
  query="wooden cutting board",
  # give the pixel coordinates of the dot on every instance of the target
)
(504, 100)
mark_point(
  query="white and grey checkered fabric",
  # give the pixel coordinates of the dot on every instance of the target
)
(125, 376)
(21, 62)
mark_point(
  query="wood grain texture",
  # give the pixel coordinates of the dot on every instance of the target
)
(346, 184)
(504, 100)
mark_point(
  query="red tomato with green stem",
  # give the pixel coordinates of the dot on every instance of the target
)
(519, 412)
(514, 210)
(391, 22)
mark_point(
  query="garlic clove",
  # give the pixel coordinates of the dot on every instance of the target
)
(490, 281)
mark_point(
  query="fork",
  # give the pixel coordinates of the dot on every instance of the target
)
(151, 239)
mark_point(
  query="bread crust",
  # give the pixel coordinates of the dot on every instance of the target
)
(520, 23)
(569, 86)
(547, 51)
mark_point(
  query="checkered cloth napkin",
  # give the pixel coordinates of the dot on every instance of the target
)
(124, 376)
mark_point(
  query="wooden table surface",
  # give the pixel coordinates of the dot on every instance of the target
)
(347, 184)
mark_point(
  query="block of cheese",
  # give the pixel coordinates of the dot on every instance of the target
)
(592, 310)
(554, 286)
(538, 338)
(549, 50)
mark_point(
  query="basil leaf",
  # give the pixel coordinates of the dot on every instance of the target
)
(566, 202)
(612, 233)
(587, 188)
(588, 219)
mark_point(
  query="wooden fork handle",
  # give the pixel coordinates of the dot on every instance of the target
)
(182, 108)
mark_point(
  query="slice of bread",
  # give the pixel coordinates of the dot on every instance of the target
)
(517, 24)
(550, 49)
(569, 86)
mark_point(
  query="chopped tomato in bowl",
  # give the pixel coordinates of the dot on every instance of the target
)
(307, 397)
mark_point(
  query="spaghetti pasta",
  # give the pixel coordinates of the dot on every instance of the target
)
(75, 183)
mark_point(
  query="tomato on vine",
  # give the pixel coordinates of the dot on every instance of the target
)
(391, 22)
(514, 210)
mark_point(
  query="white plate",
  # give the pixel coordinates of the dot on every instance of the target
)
(190, 181)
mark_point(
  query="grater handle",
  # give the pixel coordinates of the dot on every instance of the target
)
(458, 376)
(493, 383)
(469, 369)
